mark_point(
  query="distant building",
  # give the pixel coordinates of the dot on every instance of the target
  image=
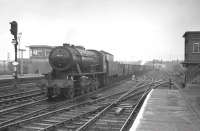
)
(39, 62)
(5, 67)
(192, 55)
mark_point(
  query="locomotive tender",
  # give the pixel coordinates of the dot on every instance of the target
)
(76, 71)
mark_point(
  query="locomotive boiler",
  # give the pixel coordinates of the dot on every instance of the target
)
(75, 71)
(66, 57)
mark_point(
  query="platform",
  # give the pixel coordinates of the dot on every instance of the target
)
(167, 110)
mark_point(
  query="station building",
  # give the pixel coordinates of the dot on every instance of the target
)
(192, 55)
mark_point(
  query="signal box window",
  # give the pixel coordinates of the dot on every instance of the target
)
(47, 53)
(37, 52)
(196, 48)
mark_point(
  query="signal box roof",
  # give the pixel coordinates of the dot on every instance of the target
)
(40, 46)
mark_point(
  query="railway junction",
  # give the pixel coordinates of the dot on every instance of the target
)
(149, 103)
(78, 114)
(86, 90)
(99, 94)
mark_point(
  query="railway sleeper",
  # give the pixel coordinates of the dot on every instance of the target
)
(53, 122)
(103, 128)
(106, 125)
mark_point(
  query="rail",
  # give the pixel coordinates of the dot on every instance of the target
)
(50, 113)
(122, 97)
(130, 119)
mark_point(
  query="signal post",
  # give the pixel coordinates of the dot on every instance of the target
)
(14, 32)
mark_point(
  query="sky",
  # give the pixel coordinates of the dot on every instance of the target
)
(131, 30)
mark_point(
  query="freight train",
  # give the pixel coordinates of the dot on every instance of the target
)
(76, 71)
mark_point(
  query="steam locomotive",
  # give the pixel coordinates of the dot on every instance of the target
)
(76, 71)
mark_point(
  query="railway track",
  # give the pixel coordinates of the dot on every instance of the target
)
(113, 117)
(56, 116)
(21, 80)
(20, 87)
(20, 98)
(119, 111)
(40, 106)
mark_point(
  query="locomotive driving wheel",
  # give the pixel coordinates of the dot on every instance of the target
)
(86, 90)
(82, 91)
(50, 93)
(91, 88)
(70, 93)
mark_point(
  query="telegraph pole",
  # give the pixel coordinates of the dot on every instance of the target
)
(13, 31)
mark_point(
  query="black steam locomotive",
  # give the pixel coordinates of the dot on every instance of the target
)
(76, 71)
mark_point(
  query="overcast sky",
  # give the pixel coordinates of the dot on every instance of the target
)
(129, 29)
